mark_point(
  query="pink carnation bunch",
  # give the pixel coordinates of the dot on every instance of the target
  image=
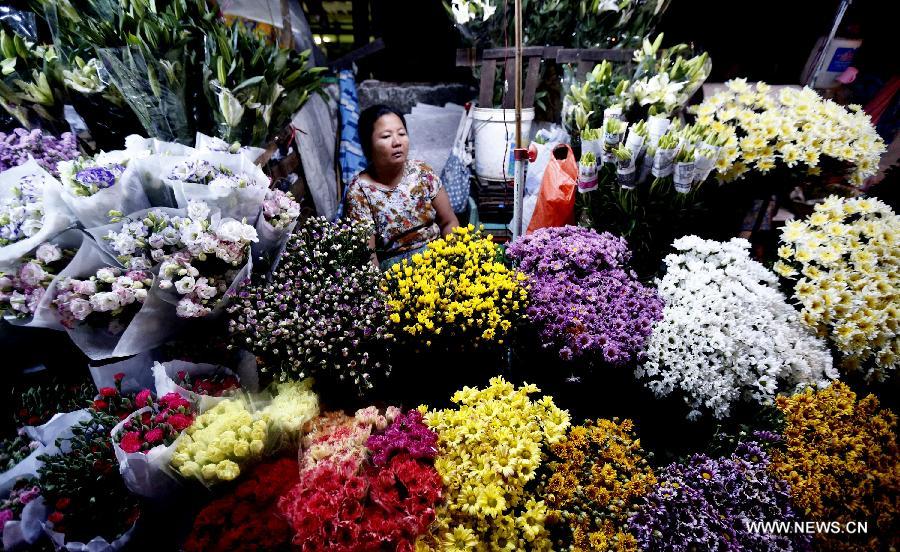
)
(160, 426)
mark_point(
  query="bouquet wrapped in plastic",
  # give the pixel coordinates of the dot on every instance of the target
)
(23, 289)
(144, 442)
(31, 210)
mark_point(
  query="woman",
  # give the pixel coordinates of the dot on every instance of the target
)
(402, 199)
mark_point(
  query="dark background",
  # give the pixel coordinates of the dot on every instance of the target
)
(768, 40)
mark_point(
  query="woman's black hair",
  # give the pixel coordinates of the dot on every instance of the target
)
(366, 125)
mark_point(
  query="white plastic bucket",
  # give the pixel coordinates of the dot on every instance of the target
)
(495, 137)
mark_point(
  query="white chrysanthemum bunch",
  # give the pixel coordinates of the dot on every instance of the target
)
(796, 128)
(727, 333)
(844, 263)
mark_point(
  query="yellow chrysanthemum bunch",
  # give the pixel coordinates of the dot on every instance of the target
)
(490, 448)
(842, 463)
(455, 290)
(796, 128)
(219, 441)
(597, 475)
(845, 263)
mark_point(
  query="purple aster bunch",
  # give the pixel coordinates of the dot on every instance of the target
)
(22, 144)
(707, 503)
(320, 312)
(407, 434)
(584, 303)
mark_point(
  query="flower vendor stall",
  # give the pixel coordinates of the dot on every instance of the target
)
(198, 360)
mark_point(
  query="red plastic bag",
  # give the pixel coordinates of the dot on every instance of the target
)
(556, 199)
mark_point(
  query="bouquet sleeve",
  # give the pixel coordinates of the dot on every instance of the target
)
(171, 297)
(164, 377)
(22, 533)
(137, 372)
(99, 232)
(209, 143)
(56, 217)
(146, 474)
(97, 544)
(272, 241)
(236, 203)
(45, 315)
(153, 324)
(125, 196)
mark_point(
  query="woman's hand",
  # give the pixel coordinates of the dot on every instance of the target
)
(446, 218)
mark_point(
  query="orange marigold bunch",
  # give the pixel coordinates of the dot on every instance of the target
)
(596, 476)
(840, 458)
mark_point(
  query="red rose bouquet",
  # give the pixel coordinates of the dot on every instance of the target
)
(247, 518)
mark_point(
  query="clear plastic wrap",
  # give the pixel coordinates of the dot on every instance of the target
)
(151, 91)
(153, 324)
(126, 196)
(24, 532)
(23, 23)
(56, 216)
(97, 544)
(45, 314)
(164, 374)
(146, 474)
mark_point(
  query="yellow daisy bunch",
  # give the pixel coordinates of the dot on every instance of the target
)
(795, 128)
(844, 263)
(490, 448)
(455, 289)
(597, 475)
(220, 441)
(841, 460)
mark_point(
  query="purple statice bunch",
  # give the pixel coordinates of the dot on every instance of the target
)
(708, 504)
(21, 144)
(320, 313)
(584, 303)
(407, 434)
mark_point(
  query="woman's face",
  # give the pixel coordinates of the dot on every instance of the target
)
(390, 143)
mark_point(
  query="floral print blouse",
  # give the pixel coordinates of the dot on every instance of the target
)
(404, 217)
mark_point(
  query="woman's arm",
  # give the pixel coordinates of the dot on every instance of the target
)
(446, 218)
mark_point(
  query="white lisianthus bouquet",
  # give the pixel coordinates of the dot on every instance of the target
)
(727, 333)
(280, 209)
(22, 289)
(22, 212)
(843, 263)
(199, 255)
(107, 299)
(203, 172)
(794, 129)
(142, 242)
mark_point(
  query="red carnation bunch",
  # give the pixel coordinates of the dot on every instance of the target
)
(212, 385)
(111, 400)
(160, 426)
(346, 504)
(247, 519)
